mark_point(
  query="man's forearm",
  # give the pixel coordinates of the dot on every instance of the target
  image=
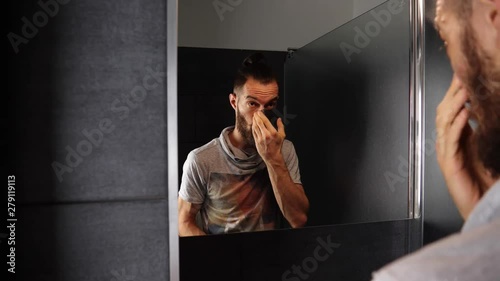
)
(190, 229)
(291, 199)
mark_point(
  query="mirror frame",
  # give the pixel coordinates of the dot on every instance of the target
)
(416, 132)
(172, 140)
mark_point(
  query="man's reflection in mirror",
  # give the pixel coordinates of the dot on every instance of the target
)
(248, 178)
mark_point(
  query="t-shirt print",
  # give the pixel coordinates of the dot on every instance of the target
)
(239, 203)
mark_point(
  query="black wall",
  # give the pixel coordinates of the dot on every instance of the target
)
(104, 218)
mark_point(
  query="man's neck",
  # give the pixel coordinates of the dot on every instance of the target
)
(237, 139)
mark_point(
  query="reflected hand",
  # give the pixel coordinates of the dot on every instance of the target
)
(268, 140)
(452, 145)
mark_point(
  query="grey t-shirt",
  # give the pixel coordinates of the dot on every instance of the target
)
(233, 186)
(471, 255)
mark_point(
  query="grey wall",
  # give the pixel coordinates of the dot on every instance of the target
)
(361, 6)
(351, 119)
(261, 24)
(88, 68)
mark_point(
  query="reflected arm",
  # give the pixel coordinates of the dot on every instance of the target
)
(187, 219)
(290, 196)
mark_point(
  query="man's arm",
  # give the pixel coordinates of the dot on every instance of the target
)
(290, 196)
(187, 218)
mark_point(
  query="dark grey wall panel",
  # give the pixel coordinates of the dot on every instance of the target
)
(441, 216)
(75, 75)
(101, 241)
(355, 251)
(351, 100)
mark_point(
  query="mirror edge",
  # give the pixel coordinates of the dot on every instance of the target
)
(172, 144)
(417, 110)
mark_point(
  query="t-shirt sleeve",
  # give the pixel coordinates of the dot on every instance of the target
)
(292, 161)
(193, 183)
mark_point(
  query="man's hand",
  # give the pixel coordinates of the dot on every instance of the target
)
(454, 135)
(268, 140)
(290, 196)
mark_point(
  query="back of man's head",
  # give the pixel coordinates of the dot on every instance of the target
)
(254, 66)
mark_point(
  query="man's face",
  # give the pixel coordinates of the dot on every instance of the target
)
(471, 40)
(451, 31)
(253, 97)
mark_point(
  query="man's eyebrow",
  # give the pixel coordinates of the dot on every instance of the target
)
(254, 98)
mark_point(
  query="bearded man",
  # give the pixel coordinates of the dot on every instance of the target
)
(469, 157)
(247, 178)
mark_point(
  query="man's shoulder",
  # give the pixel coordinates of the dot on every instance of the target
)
(288, 147)
(460, 256)
(206, 151)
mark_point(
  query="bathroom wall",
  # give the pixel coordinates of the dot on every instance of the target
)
(87, 138)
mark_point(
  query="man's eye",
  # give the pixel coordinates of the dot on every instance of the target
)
(271, 106)
(252, 104)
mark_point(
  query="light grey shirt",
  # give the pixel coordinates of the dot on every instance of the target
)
(471, 255)
(233, 186)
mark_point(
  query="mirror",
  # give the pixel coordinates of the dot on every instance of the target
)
(343, 73)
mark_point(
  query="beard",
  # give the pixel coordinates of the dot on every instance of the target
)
(244, 129)
(482, 79)
(482, 75)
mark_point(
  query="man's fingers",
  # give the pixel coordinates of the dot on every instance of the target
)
(265, 121)
(456, 130)
(281, 128)
(258, 125)
(450, 107)
(256, 131)
(257, 122)
(456, 104)
(455, 86)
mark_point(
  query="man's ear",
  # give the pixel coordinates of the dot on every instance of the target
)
(232, 100)
(495, 16)
(493, 8)
(486, 23)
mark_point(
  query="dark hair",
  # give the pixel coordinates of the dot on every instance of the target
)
(254, 66)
